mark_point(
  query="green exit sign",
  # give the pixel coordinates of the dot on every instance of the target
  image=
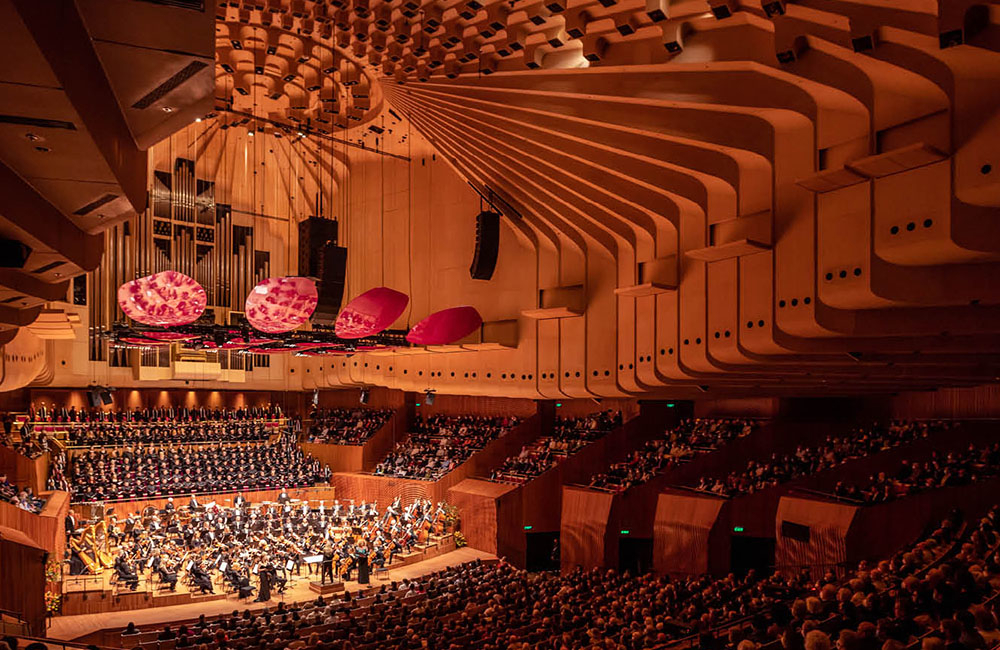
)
(737, 529)
(528, 527)
(625, 532)
(670, 405)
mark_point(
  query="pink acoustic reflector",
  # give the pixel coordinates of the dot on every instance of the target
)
(370, 313)
(166, 299)
(281, 304)
(445, 326)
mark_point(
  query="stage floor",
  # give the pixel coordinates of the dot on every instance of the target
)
(69, 628)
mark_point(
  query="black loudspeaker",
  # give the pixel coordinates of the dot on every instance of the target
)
(314, 234)
(13, 254)
(484, 262)
(332, 271)
(93, 398)
(106, 396)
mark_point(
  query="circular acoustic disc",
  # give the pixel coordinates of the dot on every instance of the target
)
(281, 304)
(370, 313)
(445, 326)
(166, 299)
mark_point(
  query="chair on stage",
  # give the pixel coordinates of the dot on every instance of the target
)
(380, 570)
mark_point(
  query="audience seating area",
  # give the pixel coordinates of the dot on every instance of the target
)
(22, 497)
(942, 470)
(935, 594)
(569, 436)
(346, 426)
(808, 460)
(441, 443)
(690, 437)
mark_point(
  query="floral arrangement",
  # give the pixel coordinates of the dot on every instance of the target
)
(53, 602)
(459, 540)
(451, 518)
(53, 570)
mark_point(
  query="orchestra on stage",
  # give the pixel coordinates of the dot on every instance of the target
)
(248, 548)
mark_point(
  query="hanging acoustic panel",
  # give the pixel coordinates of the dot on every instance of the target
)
(445, 326)
(165, 299)
(281, 304)
(370, 313)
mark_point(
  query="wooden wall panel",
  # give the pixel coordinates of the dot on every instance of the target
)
(962, 403)
(478, 504)
(24, 471)
(583, 528)
(827, 522)
(45, 530)
(22, 579)
(682, 532)
(340, 458)
(477, 405)
(379, 397)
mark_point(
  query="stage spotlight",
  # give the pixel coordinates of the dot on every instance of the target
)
(364, 396)
(429, 397)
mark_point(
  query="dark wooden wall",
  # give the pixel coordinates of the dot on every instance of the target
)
(22, 578)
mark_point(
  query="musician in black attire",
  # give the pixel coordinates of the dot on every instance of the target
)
(327, 564)
(202, 580)
(126, 573)
(265, 573)
(361, 560)
(167, 576)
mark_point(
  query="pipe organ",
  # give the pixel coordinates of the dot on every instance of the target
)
(184, 229)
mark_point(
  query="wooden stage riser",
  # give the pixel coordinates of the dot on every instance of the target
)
(101, 599)
(90, 602)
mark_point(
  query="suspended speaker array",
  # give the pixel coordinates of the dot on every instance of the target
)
(484, 262)
(321, 258)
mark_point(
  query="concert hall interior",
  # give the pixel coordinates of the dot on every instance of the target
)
(500, 324)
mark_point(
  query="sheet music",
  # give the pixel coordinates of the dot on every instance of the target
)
(312, 559)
